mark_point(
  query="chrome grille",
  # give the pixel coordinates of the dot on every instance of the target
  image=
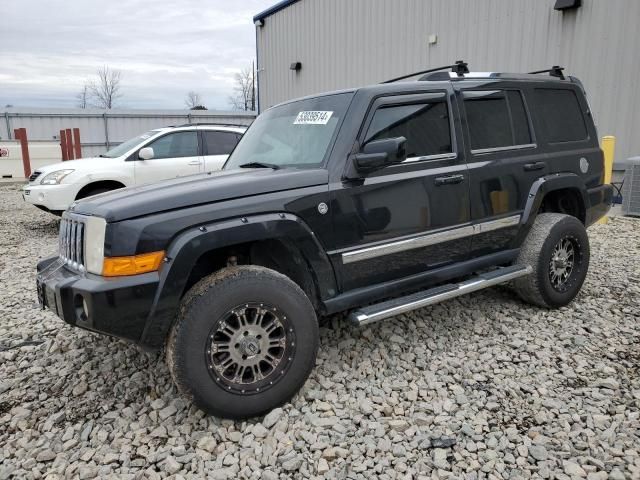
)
(34, 175)
(71, 241)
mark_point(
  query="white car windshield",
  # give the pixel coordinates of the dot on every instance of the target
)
(124, 147)
(296, 134)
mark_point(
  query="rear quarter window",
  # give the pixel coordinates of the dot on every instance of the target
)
(560, 115)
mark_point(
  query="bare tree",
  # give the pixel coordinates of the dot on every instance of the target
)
(106, 89)
(244, 97)
(83, 96)
(193, 100)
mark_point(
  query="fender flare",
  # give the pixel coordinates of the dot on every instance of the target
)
(185, 250)
(541, 187)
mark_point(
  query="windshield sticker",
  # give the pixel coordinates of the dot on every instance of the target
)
(313, 118)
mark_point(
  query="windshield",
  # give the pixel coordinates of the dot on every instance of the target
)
(124, 147)
(297, 134)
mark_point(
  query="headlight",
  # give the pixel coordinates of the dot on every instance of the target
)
(54, 178)
(94, 244)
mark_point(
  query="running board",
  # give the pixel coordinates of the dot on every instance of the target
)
(396, 306)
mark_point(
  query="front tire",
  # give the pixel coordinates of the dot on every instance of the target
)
(557, 248)
(244, 342)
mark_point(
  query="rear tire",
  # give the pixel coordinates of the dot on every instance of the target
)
(244, 342)
(557, 248)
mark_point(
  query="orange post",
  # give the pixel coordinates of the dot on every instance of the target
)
(63, 145)
(21, 134)
(69, 144)
(77, 146)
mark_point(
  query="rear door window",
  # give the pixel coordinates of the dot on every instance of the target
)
(496, 119)
(219, 143)
(425, 125)
(560, 115)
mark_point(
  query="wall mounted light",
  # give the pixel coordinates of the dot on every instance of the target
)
(259, 23)
(567, 4)
(296, 66)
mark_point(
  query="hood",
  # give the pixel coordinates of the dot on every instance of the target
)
(69, 164)
(194, 190)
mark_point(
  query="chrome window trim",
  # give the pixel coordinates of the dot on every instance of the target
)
(427, 240)
(482, 151)
(425, 158)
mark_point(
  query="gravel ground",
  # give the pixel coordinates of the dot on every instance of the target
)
(479, 387)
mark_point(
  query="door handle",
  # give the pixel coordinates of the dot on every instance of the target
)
(195, 162)
(530, 167)
(449, 180)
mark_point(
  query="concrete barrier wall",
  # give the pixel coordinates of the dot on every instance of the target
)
(41, 153)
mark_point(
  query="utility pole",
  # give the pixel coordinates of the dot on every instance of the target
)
(253, 87)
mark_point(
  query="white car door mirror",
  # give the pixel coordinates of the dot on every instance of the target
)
(145, 153)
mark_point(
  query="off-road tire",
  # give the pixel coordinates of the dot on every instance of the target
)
(201, 310)
(537, 250)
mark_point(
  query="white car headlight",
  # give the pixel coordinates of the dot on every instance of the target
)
(54, 178)
(94, 244)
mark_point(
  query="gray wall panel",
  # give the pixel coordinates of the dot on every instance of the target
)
(349, 43)
(45, 124)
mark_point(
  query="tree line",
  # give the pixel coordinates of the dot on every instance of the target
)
(104, 91)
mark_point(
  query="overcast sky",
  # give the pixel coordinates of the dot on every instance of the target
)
(50, 48)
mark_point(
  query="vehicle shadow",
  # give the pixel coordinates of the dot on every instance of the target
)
(123, 375)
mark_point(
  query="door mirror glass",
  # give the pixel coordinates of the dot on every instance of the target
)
(381, 153)
(145, 153)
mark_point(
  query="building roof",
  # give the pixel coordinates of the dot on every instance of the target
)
(273, 9)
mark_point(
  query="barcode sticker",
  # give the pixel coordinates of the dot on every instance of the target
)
(313, 118)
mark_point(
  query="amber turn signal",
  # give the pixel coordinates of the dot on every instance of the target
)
(134, 265)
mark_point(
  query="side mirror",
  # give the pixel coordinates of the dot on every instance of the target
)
(381, 153)
(145, 153)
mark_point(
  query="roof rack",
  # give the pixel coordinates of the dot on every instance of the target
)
(196, 124)
(459, 68)
(554, 71)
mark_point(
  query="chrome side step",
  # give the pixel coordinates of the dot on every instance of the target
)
(396, 306)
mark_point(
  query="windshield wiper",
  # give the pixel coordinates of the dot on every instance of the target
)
(259, 165)
(102, 155)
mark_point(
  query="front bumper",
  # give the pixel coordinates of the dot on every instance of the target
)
(119, 307)
(51, 197)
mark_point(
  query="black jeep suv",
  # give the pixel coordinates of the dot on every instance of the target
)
(380, 199)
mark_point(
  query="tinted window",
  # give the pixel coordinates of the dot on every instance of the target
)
(174, 145)
(496, 119)
(219, 143)
(560, 115)
(425, 126)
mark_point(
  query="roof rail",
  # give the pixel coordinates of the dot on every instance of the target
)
(459, 68)
(554, 71)
(196, 124)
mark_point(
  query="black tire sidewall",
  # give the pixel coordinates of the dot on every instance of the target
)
(572, 228)
(206, 309)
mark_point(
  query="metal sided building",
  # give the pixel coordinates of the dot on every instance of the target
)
(311, 46)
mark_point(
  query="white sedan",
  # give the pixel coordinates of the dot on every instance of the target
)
(153, 156)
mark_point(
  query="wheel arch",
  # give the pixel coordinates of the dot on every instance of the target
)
(552, 189)
(110, 184)
(260, 240)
